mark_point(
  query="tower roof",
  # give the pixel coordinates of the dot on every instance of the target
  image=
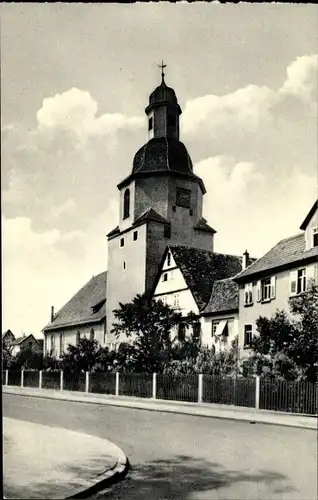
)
(163, 93)
(162, 153)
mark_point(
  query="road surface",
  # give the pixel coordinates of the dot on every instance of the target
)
(187, 457)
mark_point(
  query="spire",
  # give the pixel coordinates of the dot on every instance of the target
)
(162, 66)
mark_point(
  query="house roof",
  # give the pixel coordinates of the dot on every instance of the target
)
(88, 305)
(224, 297)
(8, 332)
(309, 215)
(150, 214)
(201, 268)
(284, 254)
(20, 340)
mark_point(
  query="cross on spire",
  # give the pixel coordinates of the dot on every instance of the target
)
(162, 66)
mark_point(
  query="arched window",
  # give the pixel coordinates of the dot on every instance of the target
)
(78, 338)
(126, 203)
(91, 334)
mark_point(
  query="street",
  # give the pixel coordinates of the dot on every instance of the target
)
(187, 457)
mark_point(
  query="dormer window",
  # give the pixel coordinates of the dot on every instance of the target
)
(315, 237)
(126, 203)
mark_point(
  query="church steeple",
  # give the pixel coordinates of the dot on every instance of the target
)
(163, 111)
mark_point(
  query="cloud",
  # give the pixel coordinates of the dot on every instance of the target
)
(302, 77)
(76, 110)
(250, 211)
(47, 268)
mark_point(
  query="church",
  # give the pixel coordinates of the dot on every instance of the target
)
(161, 203)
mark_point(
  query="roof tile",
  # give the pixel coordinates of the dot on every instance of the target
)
(80, 308)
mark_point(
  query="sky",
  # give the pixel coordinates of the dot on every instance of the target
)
(75, 80)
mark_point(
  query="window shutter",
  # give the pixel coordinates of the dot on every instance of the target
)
(273, 287)
(310, 276)
(258, 288)
(293, 282)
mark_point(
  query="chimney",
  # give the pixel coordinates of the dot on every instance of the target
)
(52, 314)
(245, 260)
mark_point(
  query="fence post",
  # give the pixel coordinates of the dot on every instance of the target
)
(200, 388)
(61, 380)
(87, 382)
(257, 390)
(154, 385)
(117, 384)
(40, 379)
(22, 377)
(7, 377)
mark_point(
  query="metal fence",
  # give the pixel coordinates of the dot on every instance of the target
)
(102, 383)
(295, 397)
(260, 393)
(31, 378)
(238, 391)
(177, 387)
(135, 384)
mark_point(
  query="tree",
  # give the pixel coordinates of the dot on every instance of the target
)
(148, 323)
(81, 357)
(286, 345)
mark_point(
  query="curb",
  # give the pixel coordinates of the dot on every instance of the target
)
(253, 418)
(106, 479)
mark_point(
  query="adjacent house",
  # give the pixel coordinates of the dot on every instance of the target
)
(84, 315)
(199, 281)
(16, 345)
(283, 272)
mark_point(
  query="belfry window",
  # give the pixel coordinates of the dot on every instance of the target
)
(126, 204)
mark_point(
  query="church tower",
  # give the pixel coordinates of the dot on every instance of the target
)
(160, 204)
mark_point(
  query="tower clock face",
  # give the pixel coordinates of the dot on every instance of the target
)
(183, 198)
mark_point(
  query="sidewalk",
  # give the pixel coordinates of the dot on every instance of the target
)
(198, 409)
(49, 462)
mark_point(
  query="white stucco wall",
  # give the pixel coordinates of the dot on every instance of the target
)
(70, 336)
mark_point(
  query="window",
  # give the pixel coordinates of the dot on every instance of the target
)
(214, 327)
(135, 235)
(315, 237)
(248, 294)
(247, 335)
(169, 259)
(122, 242)
(61, 343)
(150, 123)
(167, 231)
(175, 300)
(183, 197)
(165, 277)
(53, 344)
(91, 334)
(191, 211)
(266, 289)
(197, 332)
(301, 280)
(164, 299)
(181, 332)
(126, 204)
(78, 338)
(124, 265)
(30, 345)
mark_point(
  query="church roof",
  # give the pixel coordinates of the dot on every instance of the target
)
(202, 225)
(284, 254)
(201, 268)
(88, 305)
(224, 297)
(163, 93)
(162, 153)
(150, 214)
